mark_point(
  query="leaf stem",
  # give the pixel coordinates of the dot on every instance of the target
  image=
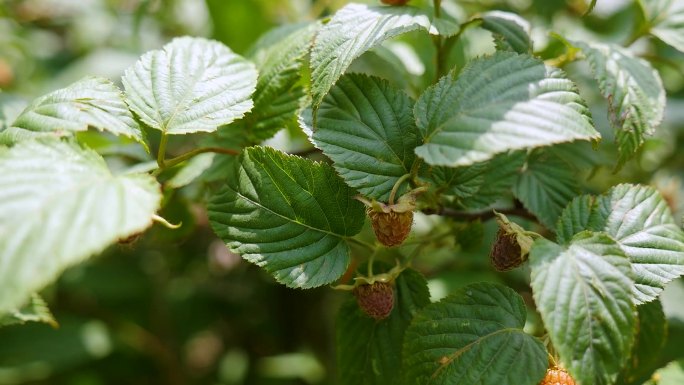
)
(361, 243)
(395, 188)
(182, 158)
(162, 150)
(482, 215)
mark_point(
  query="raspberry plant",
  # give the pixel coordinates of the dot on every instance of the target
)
(504, 133)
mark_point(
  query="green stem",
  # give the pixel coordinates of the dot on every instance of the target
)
(162, 150)
(438, 8)
(361, 243)
(182, 158)
(395, 188)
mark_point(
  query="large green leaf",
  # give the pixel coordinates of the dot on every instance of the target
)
(584, 294)
(59, 204)
(639, 219)
(667, 20)
(278, 56)
(473, 337)
(635, 93)
(479, 185)
(499, 103)
(35, 310)
(367, 128)
(353, 30)
(289, 215)
(545, 187)
(190, 85)
(90, 102)
(511, 32)
(369, 352)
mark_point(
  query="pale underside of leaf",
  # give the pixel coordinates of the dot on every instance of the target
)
(667, 17)
(191, 85)
(473, 337)
(639, 219)
(90, 102)
(635, 93)
(584, 295)
(499, 103)
(288, 215)
(59, 204)
(353, 30)
(366, 127)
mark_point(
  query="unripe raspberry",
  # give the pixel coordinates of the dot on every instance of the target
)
(506, 253)
(376, 299)
(391, 228)
(512, 245)
(395, 2)
(557, 376)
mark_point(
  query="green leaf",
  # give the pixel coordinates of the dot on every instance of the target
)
(635, 93)
(639, 219)
(191, 85)
(511, 32)
(584, 295)
(36, 310)
(279, 57)
(59, 204)
(473, 337)
(481, 184)
(672, 374)
(366, 127)
(667, 20)
(289, 215)
(582, 213)
(650, 340)
(545, 187)
(369, 352)
(499, 103)
(90, 102)
(353, 30)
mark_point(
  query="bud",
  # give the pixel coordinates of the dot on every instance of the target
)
(512, 245)
(376, 299)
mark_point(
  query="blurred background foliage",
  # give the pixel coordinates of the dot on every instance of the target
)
(175, 306)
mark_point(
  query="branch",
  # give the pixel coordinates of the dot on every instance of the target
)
(482, 215)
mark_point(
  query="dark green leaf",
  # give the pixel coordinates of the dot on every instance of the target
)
(289, 215)
(366, 127)
(473, 337)
(511, 32)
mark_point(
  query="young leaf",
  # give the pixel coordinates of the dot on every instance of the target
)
(635, 93)
(90, 102)
(473, 337)
(481, 184)
(584, 295)
(638, 218)
(353, 30)
(279, 57)
(499, 103)
(59, 204)
(545, 187)
(36, 310)
(288, 215)
(190, 85)
(366, 127)
(511, 32)
(369, 351)
(667, 20)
